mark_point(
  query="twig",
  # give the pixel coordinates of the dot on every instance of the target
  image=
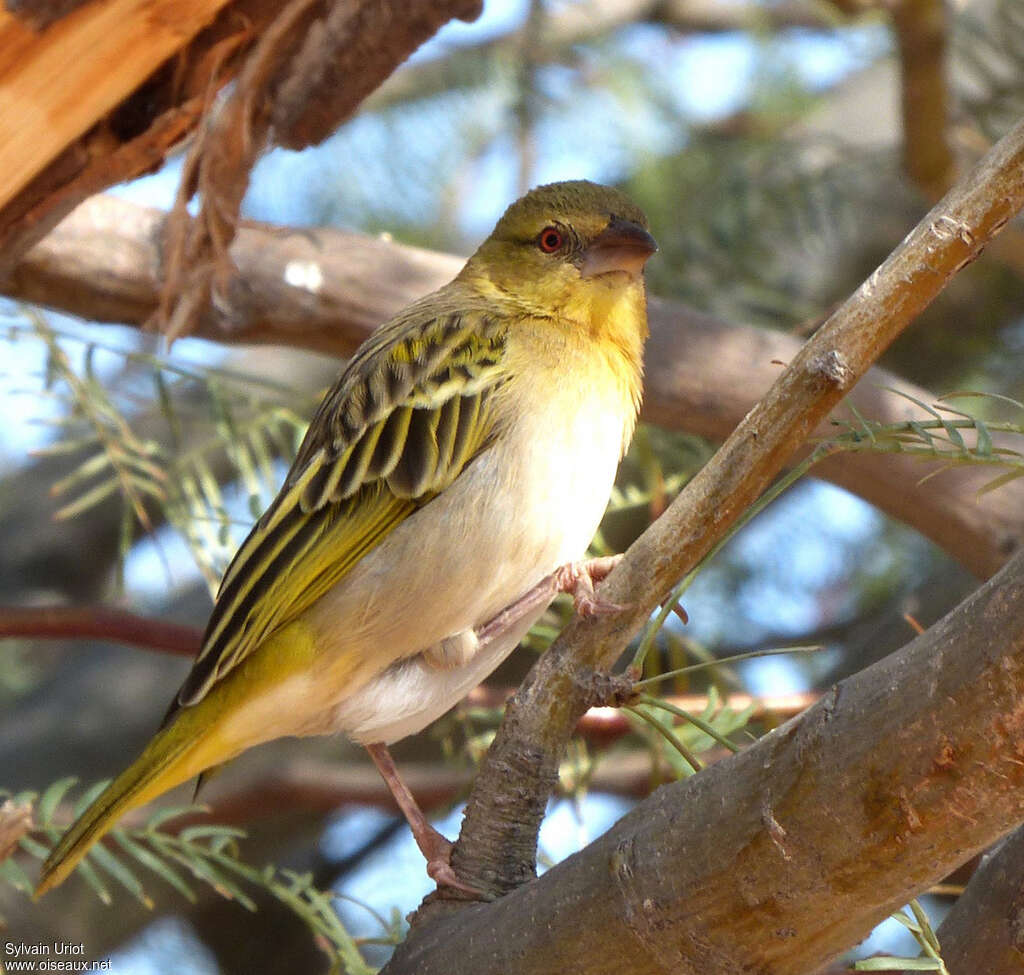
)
(99, 623)
(606, 724)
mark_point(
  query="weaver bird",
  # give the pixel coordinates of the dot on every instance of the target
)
(448, 480)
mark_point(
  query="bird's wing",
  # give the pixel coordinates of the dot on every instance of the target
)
(411, 410)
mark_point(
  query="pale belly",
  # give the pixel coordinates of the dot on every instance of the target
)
(527, 505)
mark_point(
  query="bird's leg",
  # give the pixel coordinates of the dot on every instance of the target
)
(577, 578)
(435, 847)
(453, 651)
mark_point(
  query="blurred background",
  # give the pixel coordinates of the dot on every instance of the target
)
(781, 151)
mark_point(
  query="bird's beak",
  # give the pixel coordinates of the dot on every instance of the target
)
(621, 246)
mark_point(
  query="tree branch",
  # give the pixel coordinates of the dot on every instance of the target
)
(133, 136)
(101, 52)
(920, 27)
(128, 97)
(497, 849)
(984, 931)
(118, 626)
(308, 73)
(100, 623)
(326, 290)
(776, 859)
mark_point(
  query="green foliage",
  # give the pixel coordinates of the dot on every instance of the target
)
(939, 436)
(699, 733)
(206, 853)
(920, 927)
(217, 427)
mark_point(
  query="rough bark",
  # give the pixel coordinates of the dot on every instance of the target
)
(325, 290)
(774, 860)
(137, 78)
(984, 932)
(101, 53)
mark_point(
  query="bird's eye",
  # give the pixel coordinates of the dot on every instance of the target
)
(550, 240)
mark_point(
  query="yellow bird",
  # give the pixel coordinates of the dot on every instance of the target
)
(458, 466)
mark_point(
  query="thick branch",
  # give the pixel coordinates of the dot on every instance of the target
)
(984, 932)
(99, 54)
(325, 290)
(134, 135)
(497, 849)
(774, 860)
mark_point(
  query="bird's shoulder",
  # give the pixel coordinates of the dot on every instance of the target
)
(418, 383)
(411, 409)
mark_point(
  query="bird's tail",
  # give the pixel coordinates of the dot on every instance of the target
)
(183, 749)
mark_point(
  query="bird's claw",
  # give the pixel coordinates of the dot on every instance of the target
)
(441, 872)
(579, 578)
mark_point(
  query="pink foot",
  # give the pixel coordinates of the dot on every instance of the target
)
(436, 849)
(579, 578)
(439, 867)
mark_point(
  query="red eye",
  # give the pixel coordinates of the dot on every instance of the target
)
(550, 240)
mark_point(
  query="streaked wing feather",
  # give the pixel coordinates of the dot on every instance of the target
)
(410, 411)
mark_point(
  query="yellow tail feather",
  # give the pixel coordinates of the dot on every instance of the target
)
(177, 753)
(251, 704)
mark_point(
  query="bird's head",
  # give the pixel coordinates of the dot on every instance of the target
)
(573, 249)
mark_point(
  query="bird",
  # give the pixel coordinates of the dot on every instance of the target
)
(446, 489)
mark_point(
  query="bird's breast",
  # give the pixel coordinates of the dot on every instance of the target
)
(528, 503)
(561, 461)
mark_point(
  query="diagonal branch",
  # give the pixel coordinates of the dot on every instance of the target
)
(497, 849)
